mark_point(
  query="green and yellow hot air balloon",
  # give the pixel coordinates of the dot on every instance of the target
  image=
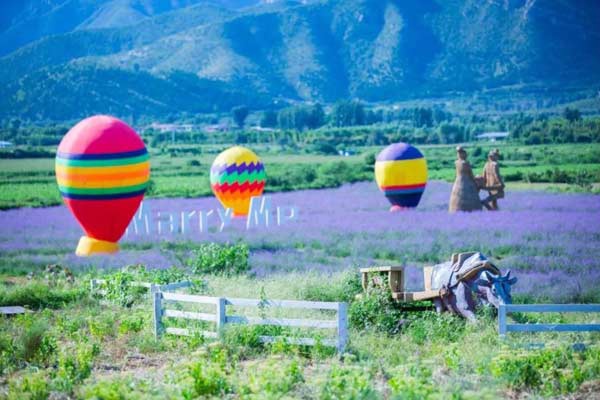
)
(237, 175)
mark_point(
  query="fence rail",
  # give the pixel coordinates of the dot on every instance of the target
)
(220, 318)
(505, 309)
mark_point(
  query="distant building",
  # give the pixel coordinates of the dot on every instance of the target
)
(262, 129)
(216, 128)
(4, 144)
(492, 136)
(171, 127)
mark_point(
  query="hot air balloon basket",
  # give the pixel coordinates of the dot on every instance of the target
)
(88, 246)
(393, 278)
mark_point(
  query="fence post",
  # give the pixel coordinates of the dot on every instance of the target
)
(502, 320)
(342, 327)
(155, 288)
(92, 285)
(157, 301)
(221, 314)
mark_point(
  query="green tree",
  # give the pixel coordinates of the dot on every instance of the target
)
(240, 113)
(315, 117)
(423, 117)
(451, 133)
(268, 119)
(572, 114)
(347, 113)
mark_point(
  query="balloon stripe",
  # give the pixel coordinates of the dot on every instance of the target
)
(102, 163)
(65, 175)
(102, 196)
(229, 168)
(122, 182)
(111, 190)
(401, 187)
(256, 191)
(101, 156)
(404, 172)
(235, 177)
(237, 187)
(87, 171)
(403, 191)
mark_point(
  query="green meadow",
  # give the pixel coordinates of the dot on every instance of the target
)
(183, 171)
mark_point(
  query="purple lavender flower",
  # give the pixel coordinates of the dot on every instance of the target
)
(551, 241)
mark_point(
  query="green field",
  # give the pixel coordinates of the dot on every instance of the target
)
(179, 172)
(88, 347)
(75, 344)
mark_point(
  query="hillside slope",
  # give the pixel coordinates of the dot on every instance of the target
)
(319, 51)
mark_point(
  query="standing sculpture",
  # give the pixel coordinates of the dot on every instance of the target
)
(465, 191)
(492, 181)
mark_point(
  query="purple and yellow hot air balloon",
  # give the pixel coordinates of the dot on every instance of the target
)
(401, 174)
(237, 175)
(102, 171)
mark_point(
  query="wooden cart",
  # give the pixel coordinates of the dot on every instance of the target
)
(395, 278)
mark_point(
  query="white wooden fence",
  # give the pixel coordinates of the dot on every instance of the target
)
(505, 309)
(220, 318)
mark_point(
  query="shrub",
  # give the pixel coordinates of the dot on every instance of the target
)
(164, 276)
(344, 290)
(514, 177)
(33, 386)
(207, 377)
(275, 380)
(33, 343)
(7, 349)
(214, 258)
(75, 365)
(345, 382)
(242, 339)
(412, 383)
(120, 291)
(549, 371)
(117, 389)
(70, 324)
(132, 323)
(38, 345)
(375, 310)
(37, 295)
(430, 326)
(102, 326)
(146, 343)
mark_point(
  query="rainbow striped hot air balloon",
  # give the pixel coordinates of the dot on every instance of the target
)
(102, 170)
(401, 174)
(236, 176)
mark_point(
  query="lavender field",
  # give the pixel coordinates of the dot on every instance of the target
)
(550, 240)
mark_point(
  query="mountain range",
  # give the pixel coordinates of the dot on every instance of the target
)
(65, 59)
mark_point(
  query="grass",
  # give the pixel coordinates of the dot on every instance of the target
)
(84, 349)
(74, 345)
(31, 182)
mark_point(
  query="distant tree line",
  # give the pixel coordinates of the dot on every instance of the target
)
(344, 125)
(346, 113)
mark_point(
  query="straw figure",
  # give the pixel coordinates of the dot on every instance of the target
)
(492, 181)
(465, 191)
